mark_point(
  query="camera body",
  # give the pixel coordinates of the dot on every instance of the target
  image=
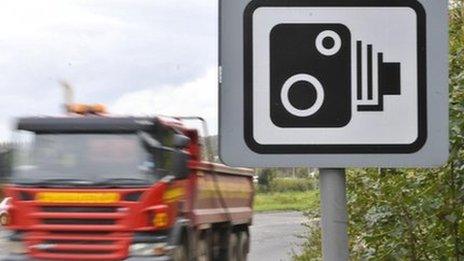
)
(310, 69)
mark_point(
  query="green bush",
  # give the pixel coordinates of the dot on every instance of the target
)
(290, 184)
(286, 201)
(265, 178)
(311, 247)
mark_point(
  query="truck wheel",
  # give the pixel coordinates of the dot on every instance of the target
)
(181, 251)
(203, 248)
(243, 242)
(232, 250)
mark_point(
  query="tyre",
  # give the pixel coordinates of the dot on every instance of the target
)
(203, 248)
(181, 252)
(232, 250)
(243, 244)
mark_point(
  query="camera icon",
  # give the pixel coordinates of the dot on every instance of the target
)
(311, 71)
(336, 77)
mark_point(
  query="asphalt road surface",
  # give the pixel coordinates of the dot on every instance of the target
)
(3, 235)
(273, 236)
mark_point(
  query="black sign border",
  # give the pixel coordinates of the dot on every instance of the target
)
(335, 149)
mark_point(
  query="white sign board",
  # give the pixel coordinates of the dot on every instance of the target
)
(325, 82)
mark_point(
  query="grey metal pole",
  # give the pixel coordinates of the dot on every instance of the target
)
(334, 218)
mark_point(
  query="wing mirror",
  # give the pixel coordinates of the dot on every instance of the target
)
(5, 164)
(180, 162)
(181, 141)
(149, 143)
(179, 158)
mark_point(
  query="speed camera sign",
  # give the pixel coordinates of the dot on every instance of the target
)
(319, 80)
(333, 83)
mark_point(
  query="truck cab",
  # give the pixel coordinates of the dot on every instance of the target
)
(117, 188)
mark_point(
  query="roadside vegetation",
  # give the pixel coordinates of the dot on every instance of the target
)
(286, 190)
(410, 214)
(287, 201)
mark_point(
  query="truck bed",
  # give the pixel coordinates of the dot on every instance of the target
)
(222, 194)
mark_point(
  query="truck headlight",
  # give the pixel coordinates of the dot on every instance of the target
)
(4, 219)
(147, 249)
(160, 220)
(16, 247)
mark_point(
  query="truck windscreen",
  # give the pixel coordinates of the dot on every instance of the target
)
(84, 159)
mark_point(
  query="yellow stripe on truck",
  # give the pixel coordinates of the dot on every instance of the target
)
(207, 188)
(173, 194)
(73, 197)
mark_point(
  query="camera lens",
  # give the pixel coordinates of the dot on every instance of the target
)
(308, 81)
(302, 95)
(328, 42)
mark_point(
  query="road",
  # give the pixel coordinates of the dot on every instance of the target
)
(273, 236)
(3, 235)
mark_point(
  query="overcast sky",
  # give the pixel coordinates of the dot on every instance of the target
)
(136, 56)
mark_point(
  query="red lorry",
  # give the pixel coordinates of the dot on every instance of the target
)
(92, 187)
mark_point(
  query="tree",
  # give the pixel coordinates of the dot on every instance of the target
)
(265, 177)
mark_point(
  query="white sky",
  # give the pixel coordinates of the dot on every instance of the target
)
(136, 56)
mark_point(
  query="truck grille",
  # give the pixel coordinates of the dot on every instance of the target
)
(63, 221)
(79, 242)
(78, 233)
(67, 209)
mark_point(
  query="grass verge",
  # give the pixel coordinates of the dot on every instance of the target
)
(286, 201)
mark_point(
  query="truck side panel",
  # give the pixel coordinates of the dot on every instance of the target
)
(221, 195)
